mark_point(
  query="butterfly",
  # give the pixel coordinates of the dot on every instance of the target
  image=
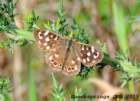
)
(66, 55)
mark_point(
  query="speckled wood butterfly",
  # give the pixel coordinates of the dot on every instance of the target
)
(65, 54)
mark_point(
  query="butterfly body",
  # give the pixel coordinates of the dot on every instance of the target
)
(66, 55)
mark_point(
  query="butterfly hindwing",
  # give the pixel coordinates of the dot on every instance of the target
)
(72, 63)
(90, 55)
(55, 59)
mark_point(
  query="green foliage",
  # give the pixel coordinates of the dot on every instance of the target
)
(104, 9)
(5, 89)
(84, 73)
(79, 33)
(30, 21)
(64, 28)
(58, 92)
(135, 9)
(32, 86)
(5, 86)
(130, 70)
(7, 15)
(120, 27)
(61, 25)
(23, 34)
(21, 37)
(7, 43)
(78, 92)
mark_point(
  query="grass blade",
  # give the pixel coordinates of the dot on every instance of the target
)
(120, 27)
(32, 88)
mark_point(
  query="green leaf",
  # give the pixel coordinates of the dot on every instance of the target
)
(32, 85)
(24, 34)
(120, 27)
(58, 92)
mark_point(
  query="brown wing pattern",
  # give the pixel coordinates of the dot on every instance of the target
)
(72, 63)
(69, 62)
(55, 46)
(89, 55)
(47, 40)
(55, 59)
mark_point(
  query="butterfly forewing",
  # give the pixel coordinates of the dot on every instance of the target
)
(47, 40)
(55, 46)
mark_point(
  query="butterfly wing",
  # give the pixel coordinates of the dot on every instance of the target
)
(47, 40)
(55, 45)
(55, 59)
(72, 63)
(57, 53)
(89, 55)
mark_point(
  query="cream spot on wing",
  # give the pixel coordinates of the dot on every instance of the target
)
(88, 59)
(68, 69)
(39, 34)
(94, 56)
(46, 33)
(78, 58)
(39, 42)
(73, 62)
(48, 47)
(87, 48)
(45, 44)
(88, 54)
(83, 48)
(50, 58)
(47, 39)
(55, 38)
(51, 36)
(93, 62)
(81, 54)
(54, 50)
(56, 55)
(40, 37)
(76, 68)
(84, 60)
(92, 49)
